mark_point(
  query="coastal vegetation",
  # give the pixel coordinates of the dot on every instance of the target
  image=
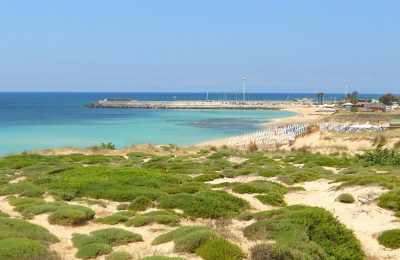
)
(193, 199)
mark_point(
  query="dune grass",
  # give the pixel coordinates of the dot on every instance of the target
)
(20, 239)
(220, 249)
(100, 242)
(390, 238)
(205, 204)
(164, 217)
(309, 232)
(187, 239)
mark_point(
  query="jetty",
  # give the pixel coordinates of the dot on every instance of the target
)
(192, 104)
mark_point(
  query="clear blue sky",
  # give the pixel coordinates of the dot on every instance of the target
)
(191, 45)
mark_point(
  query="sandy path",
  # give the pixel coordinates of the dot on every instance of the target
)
(367, 221)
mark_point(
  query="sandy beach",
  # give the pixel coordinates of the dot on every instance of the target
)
(306, 114)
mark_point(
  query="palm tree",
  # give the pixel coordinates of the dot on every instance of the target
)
(320, 98)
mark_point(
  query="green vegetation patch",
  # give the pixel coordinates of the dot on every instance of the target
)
(187, 239)
(155, 257)
(390, 200)
(161, 217)
(93, 250)
(71, 215)
(313, 232)
(390, 238)
(118, 183)
(140, 203)
(11, 227)
(16, 248)
(345, 198)
(119, 256)
(119, 217)
(220, 249)
(100, 242)
(205, 204)
(20, 239)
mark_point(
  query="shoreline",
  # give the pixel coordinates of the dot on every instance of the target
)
(303, 115)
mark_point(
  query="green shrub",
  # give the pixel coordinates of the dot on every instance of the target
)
(273, 199)
(3, 214)
(258, 187)
(71, 216)
(160, 217)
(278, 252)
(122, 206)
(141, 203)
(390, 200)
(206, 204)
(21, 189)
(93, 250)
(390, 238)
(110, 236)
(310, 230)
(119, 256)
(12, 227)
(178, 233)
(345, 198)
(208, 177)
(162, 258)
(379, 156)
(16, 248)
(116, 236)
(220, 249)
(119, 217)
(192, 241)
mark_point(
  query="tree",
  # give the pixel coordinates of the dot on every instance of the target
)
(353, 97)
(388, 99)
(320, 98)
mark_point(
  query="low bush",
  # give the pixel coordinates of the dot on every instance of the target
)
(119, 217)
(390, 200)
(110, 236)
(115, 236)
(21, 189)
(345, 198)
(187, 239)
(122, 206)
(160, 217)
(141, 203)
(93, 250)
(311, 231)
(208, 177)
(206, 204)
(279, 252)
(258, 187)
(119, 256)
(390, 238)
(220, 249)
(12, 227)
(67, 217)
(162, 258)
(16, 248)
(379, 156)
(192, 241)
(273, 199)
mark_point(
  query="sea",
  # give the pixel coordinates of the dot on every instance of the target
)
(31, 121)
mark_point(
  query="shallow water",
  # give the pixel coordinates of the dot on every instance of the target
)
(42, 120)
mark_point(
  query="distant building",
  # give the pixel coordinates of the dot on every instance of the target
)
(374, 107)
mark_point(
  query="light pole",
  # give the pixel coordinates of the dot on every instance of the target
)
(345, 93)
(244, 89)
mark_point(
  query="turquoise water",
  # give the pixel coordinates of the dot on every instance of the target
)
(44, 122)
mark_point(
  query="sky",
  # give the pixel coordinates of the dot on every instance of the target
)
(194, 45)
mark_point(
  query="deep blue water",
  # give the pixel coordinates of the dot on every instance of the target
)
(47, 120)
